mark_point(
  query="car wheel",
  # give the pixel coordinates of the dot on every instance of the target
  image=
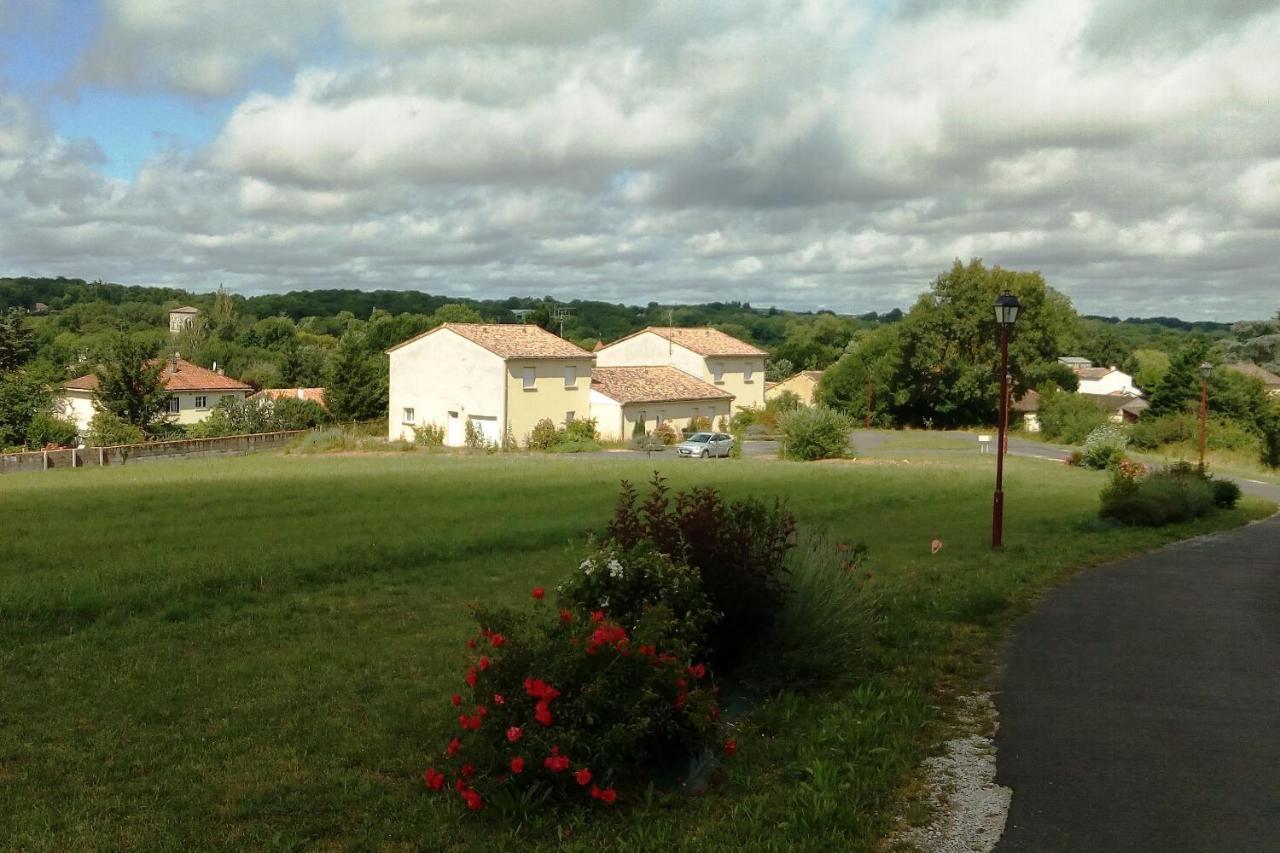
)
(704, 454)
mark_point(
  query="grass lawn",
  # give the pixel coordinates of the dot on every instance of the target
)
(257, 652)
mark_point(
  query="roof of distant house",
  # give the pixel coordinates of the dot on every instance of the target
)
(1257, 371)
(1075, 361)
(508, 340)
(315, 395)
(702, 340)
(652, 385)
(1116, 402)
(1028, 402)
(185, 309)
(177, 375)
(1092, 373)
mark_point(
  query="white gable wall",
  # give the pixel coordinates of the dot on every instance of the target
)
(649, 350)
(440, 373)
(1115, 382)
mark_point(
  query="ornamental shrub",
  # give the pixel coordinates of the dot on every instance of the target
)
(665, 434)
(544, 435)
(1225, 493)
(47, 429)
(108, 430)
(428, 435)
(572, 708)
(1174, 494)
(1104, 447)
(1067, 417)
(815, 433)
(626, 583)
(473, 436)
(579, 429)
(739, 550)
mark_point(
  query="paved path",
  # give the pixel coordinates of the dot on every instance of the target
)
(1140, 705)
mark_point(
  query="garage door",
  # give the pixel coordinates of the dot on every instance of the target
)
(488, 428)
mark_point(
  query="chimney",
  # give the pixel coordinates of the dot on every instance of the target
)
(173, 363)
(215, 367)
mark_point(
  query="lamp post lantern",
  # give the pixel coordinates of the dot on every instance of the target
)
(1205, 370)
(1007, 307)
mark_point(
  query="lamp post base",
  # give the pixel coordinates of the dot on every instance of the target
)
(997, 519)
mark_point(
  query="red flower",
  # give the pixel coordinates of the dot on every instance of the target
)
(471, 643)
(484, 662)
(460, 785)
(698, 670)
(475, 722)
(555, 762)
(467, 771)
(452, 749)
(514, 733)
(497, 640)
(539, 689)
(608, 796)
(471, 676)
(539, 593)
(679, 702)
(433, 778)
(462, 721)
(597, 616)
(517, 765)
(583, 776)
(730, 747)
(482, 710)
(566, 617)
(499, 699)
(473, 800)
(542, 712)
(456, 700)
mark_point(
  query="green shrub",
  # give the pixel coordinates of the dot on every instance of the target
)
(1068, 418)
(637, 430)
(473, 436)
(1225, 493)
(698, 424)
(1269, 454)
(572, 708)
(576, 445)
(47, 429)
(108, 430)
(826, 625)
(1184, 428)
(325, 441)
(1104, 447)
(1175, 494)
(815, 433)
(787, 401)
(578, 429)
(626, 583)
(544, 435)
(429, 435)
(738, 549)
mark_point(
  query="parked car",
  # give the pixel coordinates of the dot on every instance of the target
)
(705, 444)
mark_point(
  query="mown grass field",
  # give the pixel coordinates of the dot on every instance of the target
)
(256, 652)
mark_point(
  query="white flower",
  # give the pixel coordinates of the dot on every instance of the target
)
(587, 566)
(604, 602)
(615, 568)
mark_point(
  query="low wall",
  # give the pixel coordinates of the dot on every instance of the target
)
(92, 457)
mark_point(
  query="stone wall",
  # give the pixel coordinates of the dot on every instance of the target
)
(92, 457)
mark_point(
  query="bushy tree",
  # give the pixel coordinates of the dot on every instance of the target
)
(1179, 387)
(108, 430)
(814, 433)
(130, 382)
(355, 389)
(17, 341)
(872, 356)
(1068, 418)
(23, 398)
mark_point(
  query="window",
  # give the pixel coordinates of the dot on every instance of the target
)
(568, 418)
(408, 415)
(746, 373)
(662, 416)
(570, 377)
(717, 373)
(530, 374)
(173, 405)
(202, 402)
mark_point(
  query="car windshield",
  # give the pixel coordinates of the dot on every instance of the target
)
(700, 437)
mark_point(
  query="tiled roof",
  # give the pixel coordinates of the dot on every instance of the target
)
(703, 341)
(509, 340)
(1092, 373)
(187, 377)
(1028, 402)
(1268, 378)
(315, 395)
(1112, 402)
(186, 309)
(652, 385)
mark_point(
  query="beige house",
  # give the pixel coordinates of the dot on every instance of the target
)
(804, 385)
(501, 378)
(1103, 381)
(182, 318)
(194, 392)
(709, 355)
(622, 397)
(1269, 380)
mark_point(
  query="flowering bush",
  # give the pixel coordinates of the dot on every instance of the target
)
(571, 706)
(1104, 447)
(738, 549)
(663, 433)
(627, 582)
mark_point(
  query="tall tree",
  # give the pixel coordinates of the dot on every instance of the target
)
(355, 390)
(17, 341)
(130, 382)
(1180, 385)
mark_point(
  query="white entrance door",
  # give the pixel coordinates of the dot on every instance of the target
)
(454, 436)
(488, 426)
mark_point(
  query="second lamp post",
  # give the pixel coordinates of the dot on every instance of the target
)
(1006, 315)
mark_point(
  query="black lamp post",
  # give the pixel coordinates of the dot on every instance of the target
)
(1205, 369)
(1006, 315)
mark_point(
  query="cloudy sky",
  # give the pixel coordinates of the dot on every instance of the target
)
(801, 153)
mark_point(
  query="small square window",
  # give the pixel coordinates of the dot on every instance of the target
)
(530, 375)
(202, 402)
(746, 373)
(408, 415)
(570, 377)
(568, 418)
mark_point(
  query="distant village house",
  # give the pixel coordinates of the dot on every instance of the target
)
(194, 391)
(183, 318)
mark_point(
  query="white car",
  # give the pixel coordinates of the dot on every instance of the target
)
(705, 444)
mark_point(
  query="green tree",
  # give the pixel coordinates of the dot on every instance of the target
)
(872, 356)
(130, 382)
(1180, 384)
(356, 389)
(23, 398)
(1147, 367)
(17, 341)
(455, 312)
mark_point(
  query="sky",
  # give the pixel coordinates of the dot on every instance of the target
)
(799, 153)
